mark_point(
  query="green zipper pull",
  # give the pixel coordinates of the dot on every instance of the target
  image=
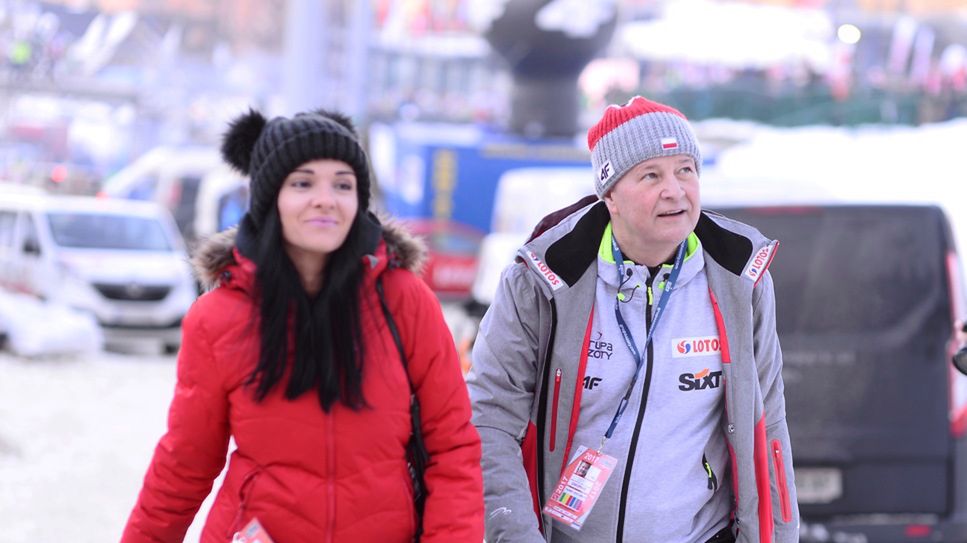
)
(713, 482)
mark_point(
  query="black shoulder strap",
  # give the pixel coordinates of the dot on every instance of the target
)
(417, 455)
(391, 323)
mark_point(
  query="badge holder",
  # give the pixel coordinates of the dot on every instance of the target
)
(580, 486)
(253, 532)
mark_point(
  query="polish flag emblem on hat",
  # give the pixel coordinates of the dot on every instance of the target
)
(669, 143)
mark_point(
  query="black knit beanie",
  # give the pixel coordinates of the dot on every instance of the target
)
(268, 151)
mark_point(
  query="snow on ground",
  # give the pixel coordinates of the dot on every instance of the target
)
(76, 436)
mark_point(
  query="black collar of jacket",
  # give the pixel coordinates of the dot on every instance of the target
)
(571, 255)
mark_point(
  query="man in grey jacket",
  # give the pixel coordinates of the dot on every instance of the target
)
(643, 328)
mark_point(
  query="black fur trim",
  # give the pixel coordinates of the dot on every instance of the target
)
(239, 141)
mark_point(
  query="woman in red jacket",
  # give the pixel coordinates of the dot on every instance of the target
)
(291, 355)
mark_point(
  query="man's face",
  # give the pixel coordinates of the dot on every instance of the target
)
(656, 204)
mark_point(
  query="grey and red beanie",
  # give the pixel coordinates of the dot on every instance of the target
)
(268, 151)
(634, 132)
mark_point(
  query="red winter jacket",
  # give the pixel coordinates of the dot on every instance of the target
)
(307, 475)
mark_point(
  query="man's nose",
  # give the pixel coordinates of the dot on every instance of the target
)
(671, 187)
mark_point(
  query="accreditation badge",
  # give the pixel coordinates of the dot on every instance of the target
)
(253, 532)
(580, 486)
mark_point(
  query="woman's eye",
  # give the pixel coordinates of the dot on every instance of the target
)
(344, 186)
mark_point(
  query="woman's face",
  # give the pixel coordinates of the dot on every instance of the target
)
(317, 205)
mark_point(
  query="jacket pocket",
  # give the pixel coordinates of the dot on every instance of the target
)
(713, 481)
(780, 466)
(244, 493)
(554, 401)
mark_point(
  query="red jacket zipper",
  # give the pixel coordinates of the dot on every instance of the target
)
(557, 393)
(781, 481)
(330, 482)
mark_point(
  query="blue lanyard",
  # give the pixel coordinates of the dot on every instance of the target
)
(626, 333)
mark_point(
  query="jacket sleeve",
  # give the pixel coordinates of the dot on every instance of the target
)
(768, 357)
(502, 385)
(454, 504)
(191, 454)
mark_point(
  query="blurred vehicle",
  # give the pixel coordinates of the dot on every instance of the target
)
(124, 262)
(452, 255)
(523, 197)
(866, 297)
(203, 194)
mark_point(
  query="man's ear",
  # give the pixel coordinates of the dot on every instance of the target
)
(609, 201)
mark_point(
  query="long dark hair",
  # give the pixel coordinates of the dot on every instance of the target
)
(323, 330)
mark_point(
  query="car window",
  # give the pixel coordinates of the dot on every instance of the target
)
(852, 269)
(29, 238)
(100, 231)
(8, 222)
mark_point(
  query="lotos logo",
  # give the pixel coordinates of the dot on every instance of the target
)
(759, 263)
(689, 347)
(700, 381)
(552, 279)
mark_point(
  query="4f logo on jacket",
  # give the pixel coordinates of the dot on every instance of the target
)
(700, 381)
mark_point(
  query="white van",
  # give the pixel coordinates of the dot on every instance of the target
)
(522, 198)
(204, 195)
(122, 261)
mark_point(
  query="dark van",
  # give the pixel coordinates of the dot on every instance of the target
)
(866, 299)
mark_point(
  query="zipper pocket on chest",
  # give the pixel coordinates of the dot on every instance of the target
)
(780, 466)
(554, 401)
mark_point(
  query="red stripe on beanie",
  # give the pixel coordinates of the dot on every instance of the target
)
(614, 116)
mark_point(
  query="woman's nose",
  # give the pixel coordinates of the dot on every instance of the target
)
(322, 196)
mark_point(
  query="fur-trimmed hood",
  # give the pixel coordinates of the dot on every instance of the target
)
(217, 252)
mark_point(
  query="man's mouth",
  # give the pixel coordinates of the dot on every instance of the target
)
(673, 213)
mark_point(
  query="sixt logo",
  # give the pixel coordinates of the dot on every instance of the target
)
(759, 263)
(552, 279)
(695, 346)
(700, 381)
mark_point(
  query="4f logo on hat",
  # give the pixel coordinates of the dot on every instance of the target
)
(669, 143)
(606, 172)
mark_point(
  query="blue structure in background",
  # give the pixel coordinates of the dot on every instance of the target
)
(450, 172)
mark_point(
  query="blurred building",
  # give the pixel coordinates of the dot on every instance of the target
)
(91, 84)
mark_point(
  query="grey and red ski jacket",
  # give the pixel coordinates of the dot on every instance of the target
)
(539, 323)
